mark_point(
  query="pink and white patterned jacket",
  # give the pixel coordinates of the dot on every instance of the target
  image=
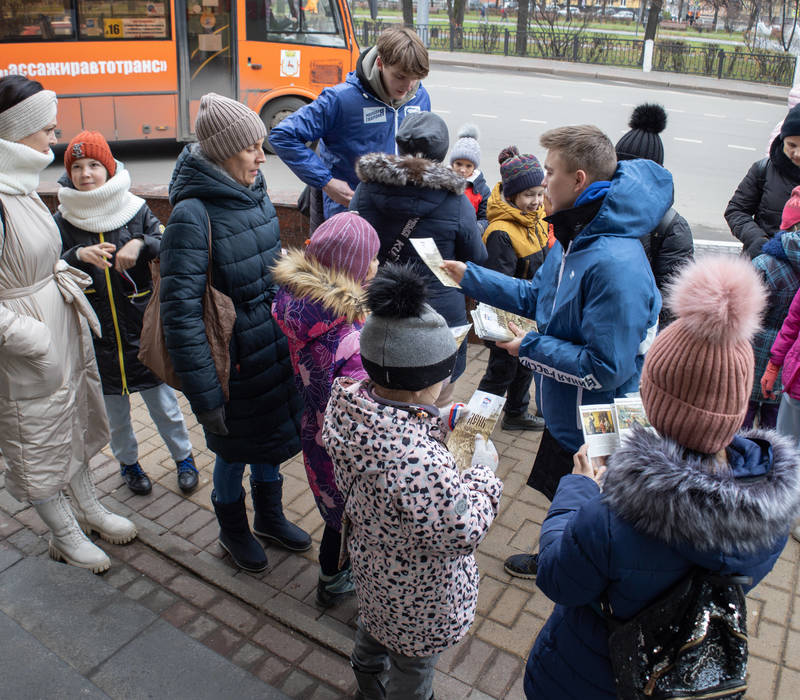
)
(415, 520)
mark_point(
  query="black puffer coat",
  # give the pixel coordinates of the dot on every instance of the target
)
(754, 212)
(264, 410)
(120, 369)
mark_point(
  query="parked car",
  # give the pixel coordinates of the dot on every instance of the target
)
(624, 14)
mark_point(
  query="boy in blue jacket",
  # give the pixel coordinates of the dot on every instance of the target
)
(356, 117)
(594, 299)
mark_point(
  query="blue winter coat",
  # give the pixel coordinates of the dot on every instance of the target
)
(264, 410)
(596, 305)
(660, 514)
(349, 120)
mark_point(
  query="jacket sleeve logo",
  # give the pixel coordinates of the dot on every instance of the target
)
(374, 115)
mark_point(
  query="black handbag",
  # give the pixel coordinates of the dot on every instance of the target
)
(690, 643)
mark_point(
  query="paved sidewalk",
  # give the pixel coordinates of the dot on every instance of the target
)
(269, 625)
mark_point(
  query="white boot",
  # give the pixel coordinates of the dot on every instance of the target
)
(68, 541)
(93, 515)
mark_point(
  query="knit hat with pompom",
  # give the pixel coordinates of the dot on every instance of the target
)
(467, 148)
(643, 140)
(519, 171)
(698, 374)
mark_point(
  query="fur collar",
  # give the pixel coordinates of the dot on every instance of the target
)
(333, 289)
(388, 169)
(655, 486)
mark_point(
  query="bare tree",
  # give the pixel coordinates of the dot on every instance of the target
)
(522, 28)
(408, 13)
(653, 19)
(795, 4)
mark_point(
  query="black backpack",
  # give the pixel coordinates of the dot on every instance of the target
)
(689, 643)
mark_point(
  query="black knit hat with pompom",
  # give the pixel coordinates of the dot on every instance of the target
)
(405, 344)
(643, 140)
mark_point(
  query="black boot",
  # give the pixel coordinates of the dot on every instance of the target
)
(270, 522)
(235, 536)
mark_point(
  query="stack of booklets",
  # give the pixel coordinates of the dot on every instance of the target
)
(606, 425)
(492, 323)
(484, 412)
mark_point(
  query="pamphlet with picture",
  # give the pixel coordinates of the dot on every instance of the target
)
(606, 425)
(492, 323)
(460, 332)
(484, 412)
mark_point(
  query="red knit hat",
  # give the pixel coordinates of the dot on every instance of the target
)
(791, 211)
(698, 375)
(90, 144)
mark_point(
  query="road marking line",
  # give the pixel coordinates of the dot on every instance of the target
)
(555, 97)
(474, 89)
(741, 148)
(624, 104)
(679, 138)
(533, 121)
(485, 116)
(589, 99)
(441, 111)
(710, 114)
(756, 121)
(513, 92)
(672, 109)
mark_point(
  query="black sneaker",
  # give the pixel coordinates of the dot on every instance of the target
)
(136, 479)
(524, 421)
(522, 565)
(187, 474)
(331, 589)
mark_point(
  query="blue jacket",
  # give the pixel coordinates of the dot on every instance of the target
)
(264, 410)
(661, 513)
(596, 305)
(349, 120)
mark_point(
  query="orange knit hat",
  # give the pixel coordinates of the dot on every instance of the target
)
(90, 144)
(698, 374)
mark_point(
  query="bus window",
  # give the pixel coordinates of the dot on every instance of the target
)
(120, 19)
(36, 21)
(314, 22)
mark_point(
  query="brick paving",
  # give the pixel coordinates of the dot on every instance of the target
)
(268, 623)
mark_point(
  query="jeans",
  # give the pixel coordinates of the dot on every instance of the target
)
(505, 373)
(789, 418)
(408, 677)
(166, 414)
(228, 478)
(767, 415)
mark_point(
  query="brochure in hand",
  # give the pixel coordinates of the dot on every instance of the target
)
(606, 425)
(492, 323)
(430, 255)
(460, 332)
(484, 412)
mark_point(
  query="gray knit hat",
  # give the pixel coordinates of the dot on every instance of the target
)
(423, 134)
(467, 148)
(405, 344)
(224, 127)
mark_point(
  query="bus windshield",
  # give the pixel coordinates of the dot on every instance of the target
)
(291, 21)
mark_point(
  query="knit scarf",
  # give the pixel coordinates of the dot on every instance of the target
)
(104, 209)
(20, 167)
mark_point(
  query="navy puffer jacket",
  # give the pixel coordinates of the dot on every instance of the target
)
(264, 410)
(661, 512)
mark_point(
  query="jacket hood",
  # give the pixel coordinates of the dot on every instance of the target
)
(309, 282)
(790, 240)
(670, 494)
(498, 209)
(196, 176)
(403, 171)
(640, 193)
(781, 161)
(355, 409)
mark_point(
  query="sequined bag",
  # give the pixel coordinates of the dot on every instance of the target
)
(690, 643)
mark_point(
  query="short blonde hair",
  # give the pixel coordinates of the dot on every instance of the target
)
(583, 147)
(401, 47)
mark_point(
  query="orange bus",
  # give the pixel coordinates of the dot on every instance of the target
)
(136, 69)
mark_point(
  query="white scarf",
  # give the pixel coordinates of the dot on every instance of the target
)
(104, 209)
(20, 167)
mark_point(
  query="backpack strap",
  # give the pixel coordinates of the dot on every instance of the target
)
(761, 172)
(657, 236)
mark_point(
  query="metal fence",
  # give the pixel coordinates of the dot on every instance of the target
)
(585, 47)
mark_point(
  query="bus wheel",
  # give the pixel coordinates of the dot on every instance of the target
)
(276, 111)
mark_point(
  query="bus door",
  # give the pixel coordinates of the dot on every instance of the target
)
(207, 54)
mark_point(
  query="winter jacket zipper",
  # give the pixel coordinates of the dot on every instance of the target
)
(116, 327)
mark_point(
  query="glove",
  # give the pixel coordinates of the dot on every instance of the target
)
(213, 421)
(768, 380)
(454, 413)
(485, 454)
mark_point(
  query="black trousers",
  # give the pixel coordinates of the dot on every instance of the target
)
(506, 374)
(552, 462)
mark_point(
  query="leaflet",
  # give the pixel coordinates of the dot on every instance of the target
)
(485, 410)
(430, 255)
(460, 332)
(491, 323)
(605, 426)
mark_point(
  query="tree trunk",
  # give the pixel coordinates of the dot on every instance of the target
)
(652, 20)
(680, 10)
(459, 6)
(716, 15)
(408, 13)
(522, 28)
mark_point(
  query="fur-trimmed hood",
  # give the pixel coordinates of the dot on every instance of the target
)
(405, 171)
(306, 281)
(673, 496)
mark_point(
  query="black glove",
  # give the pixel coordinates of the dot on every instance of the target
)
(214, 420)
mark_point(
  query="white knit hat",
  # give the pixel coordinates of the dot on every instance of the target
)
(224, 127)
(28, 116)
(467, 148)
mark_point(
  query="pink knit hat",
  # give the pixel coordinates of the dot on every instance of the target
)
(698, 374)
(345, 242)
(791, 211)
